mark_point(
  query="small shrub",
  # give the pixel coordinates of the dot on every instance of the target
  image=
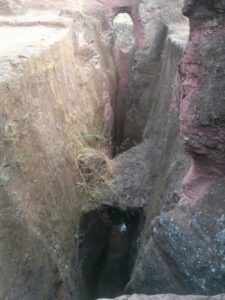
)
(94, 140)
(16, 161)
(9, 137)
(9, 134)
(3, 178)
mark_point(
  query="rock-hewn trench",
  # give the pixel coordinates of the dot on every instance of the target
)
(109, 237)
(164, 248)
(112, 149)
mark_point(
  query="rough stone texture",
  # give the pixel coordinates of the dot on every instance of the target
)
(168, 297)
(185, 251)
(144, 176)
(148, 176)
(202, 110)
(11, 7)
(56, 102)
(55, 78)
(93, 166)
(154, 20)
(139, 69)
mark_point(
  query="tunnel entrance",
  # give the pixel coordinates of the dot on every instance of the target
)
(108, 242)
(123, 29)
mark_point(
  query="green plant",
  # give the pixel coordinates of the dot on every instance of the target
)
(93, 139)
(9, 137)
(24, 117)
(16, 161)
(9, 134)
(3, 178)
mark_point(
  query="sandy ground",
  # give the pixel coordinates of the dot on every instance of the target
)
(49, 4)
(25, 41)
(62, 4)
(27, 35)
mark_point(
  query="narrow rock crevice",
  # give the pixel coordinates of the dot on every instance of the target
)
(124, 41)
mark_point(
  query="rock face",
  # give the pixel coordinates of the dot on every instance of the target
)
(56, 76)
(185, 253)
(139, 69)
(11, 7)
(136, 223)
(201, 105)
(153, 21)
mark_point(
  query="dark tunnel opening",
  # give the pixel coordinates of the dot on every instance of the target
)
(108, 243)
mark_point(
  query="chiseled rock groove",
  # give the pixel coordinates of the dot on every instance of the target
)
(145, 179)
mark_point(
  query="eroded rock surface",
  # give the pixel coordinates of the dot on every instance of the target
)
(60, 192)
(154, 21)
(56, 76)
(185, 253)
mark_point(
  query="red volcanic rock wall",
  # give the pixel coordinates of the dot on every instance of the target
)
(185, 251)
(202, 129)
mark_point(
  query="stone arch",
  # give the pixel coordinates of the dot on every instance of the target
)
(123, 10)
(123, 27)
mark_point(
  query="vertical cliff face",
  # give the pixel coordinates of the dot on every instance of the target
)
(201, 104)
(185, 252)
(56, 77)
(153, 23)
